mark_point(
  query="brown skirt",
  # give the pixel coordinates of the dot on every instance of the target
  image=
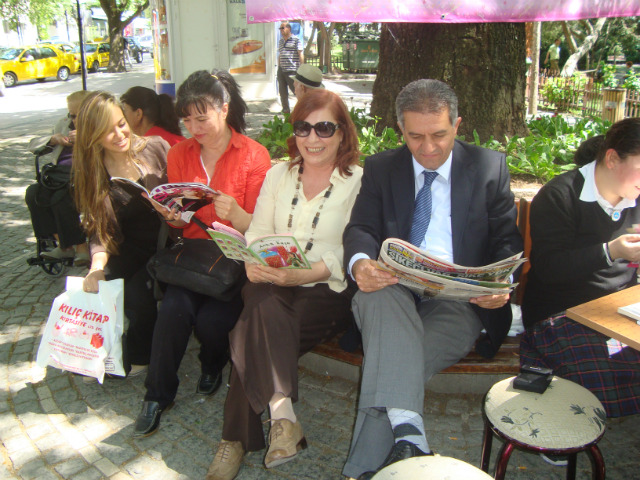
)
(277, 326)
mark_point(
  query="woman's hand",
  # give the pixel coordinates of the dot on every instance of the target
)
(90, 284)
(287, 277)
(228, 209)
(59, 139)
(626, 247)
(170, 215)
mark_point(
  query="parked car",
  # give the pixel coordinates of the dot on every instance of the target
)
(65, 47)
(39, 62)
(96, 56)
(135, 49)
(146, 41)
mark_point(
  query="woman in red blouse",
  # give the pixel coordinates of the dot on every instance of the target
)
(149, 114)
(219, 156)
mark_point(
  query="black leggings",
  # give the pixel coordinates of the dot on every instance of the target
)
(182, 312)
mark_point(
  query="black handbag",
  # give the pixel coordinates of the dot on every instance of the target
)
(53, 184)
(199, 265)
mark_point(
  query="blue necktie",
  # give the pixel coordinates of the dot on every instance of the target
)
(422, 210)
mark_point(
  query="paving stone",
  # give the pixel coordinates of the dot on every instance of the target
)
(70, 467)
(186, 466)
(59, 454)
(91, 454)
(106, 467)
(24, 456)
(89, 474)
(17, 443)
(40, 430)
(116, 449)
(142, 466)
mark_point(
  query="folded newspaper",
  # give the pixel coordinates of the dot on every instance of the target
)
(430, 276)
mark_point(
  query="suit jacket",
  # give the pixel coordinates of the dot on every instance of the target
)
(62, 126)
(483, 215)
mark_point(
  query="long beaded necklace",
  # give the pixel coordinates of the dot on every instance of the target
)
(316, 218)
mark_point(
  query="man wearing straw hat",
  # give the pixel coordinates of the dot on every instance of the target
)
(307, 78)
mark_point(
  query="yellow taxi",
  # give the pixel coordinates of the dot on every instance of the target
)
(96, 55)
(39, 62)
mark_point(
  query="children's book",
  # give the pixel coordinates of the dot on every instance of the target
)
(186, 197)
(632, 311)
(277, 251)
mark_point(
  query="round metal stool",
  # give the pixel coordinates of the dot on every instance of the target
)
(431, 468)
(565, 420)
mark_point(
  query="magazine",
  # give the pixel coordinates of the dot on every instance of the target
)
(186, 197)
(277, 251)
(430, 276)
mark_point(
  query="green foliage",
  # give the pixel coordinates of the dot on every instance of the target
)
(609, 79)
(549, 148)
(274, 136)
(11, 10)
(632, 82)
(558, 91)
(370, 142)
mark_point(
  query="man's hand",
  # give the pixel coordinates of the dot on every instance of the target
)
(626, 247)
(59, 139)
(369, 278)
(491, 301)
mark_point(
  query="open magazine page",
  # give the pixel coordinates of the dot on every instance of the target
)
(280, 251)
(406, 255)
(187, 197)
(222, 228)
(234, 248)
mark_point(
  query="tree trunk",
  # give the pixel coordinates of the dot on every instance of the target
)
(116, 53)
(483, 63)
(589, 42)
(322, 32)
(568, 36)
(307, 49)
(534, 68)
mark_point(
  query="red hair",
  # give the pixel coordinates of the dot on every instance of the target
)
(348, 153)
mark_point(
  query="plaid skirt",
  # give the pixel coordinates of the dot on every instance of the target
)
(608, 368)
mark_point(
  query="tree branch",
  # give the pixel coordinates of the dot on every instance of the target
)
(587, 45)
(138, 11)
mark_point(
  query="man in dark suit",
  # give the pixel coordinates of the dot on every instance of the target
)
(453, 200)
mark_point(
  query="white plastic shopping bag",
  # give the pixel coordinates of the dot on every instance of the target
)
(84, 330)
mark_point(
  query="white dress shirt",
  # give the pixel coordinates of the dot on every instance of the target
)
(590, 193)
(437, 240)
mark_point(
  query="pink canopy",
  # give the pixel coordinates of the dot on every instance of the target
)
(438, 11)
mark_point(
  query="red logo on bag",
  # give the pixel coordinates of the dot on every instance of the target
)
(97, 340)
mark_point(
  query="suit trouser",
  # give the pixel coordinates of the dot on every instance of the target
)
(404, 346)
(285, 82)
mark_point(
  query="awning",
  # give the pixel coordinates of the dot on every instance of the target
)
(438, 11)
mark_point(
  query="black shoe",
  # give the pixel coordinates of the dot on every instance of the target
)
(208, 384)
(400, 451)
(148, 421)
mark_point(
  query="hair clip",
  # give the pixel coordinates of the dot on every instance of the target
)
(215, 77)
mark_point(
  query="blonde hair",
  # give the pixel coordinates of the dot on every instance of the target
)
(78, 96)
(89, 175)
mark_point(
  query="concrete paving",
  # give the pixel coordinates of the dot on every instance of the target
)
(53, 426)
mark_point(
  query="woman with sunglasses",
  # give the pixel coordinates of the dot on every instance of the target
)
(289, 311)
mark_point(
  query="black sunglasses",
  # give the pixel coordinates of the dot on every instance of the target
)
(71, 117)
(323, 129)
(282, 28)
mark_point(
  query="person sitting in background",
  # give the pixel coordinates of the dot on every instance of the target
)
(287, 312)
(580, 250)
(148, 114)
(220, 156)
(307, 78)
(123, 228)
(59, 217)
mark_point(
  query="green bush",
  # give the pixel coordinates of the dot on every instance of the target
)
(274, 136)
(549, 148)
(558, 91)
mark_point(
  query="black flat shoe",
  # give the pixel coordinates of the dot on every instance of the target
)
(400, 451)
(208, 384)
(148, 421)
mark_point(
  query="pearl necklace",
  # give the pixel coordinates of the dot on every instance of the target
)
(316, 218)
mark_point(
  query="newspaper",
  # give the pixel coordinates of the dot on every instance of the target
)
(430, 276)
